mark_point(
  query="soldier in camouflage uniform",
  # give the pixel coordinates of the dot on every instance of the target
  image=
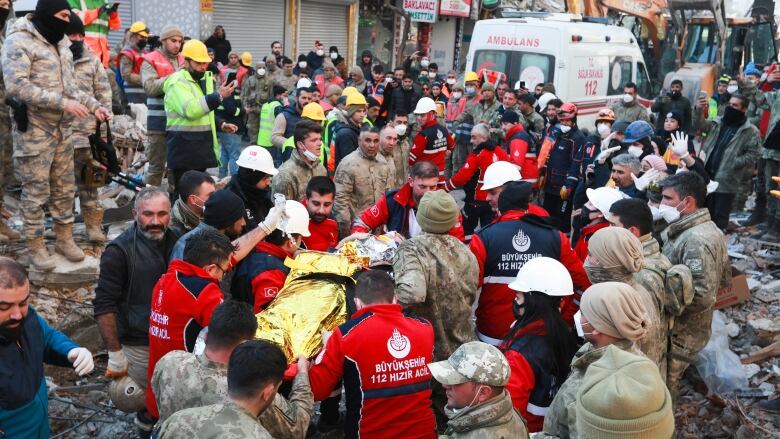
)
(6, 142)
(629, 110)
(770, 155)
(486, 111)
(396, 154)
(611, 314)
(91, 81)
(38, 70)
(478, 405)
(183, 380)
(361, 178)
(256, 90)
(695, 241)
(758, 103)
(255, 362)
(304, 162)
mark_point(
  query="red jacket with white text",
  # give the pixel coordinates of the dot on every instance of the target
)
(478, 160)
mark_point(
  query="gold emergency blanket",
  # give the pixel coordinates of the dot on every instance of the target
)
(312, 300)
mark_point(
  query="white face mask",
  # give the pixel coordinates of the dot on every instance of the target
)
(302, 64)
(432, 75)
(334, 55)
(627, 98)
(732, 89)
(565, 128)
(604, 129)
(425, 63)
(578, 325)
(635, 151)
(400, 129)
(763, 77)
(656, 213)
(320, 52)
(669, 213)
(261, 72)
(451, 81)
(457, 95)
(310, 155)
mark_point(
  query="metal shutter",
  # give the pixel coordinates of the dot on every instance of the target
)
(324, 22)
(251, 25)
(126, 14)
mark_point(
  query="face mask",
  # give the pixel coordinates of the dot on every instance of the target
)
(565, 129)
(77, 47)
(656, 213)
(302, 64)
(471, 91)
(457, 95)
(669, 213)
(334, 55)
(425, 63)
(432, 75)
(451, 81)
(320, 52)
(51, 27)
(627, 98)
(400, 129)
(197, 76)
(732, 116)
(585, 215)
(604, 129)
(676, 94)
(578, 325)
(142, 44)
(732, 89)
(763, 77)
(635, 151)
(518, 309)
(310, 155)
(261, 72)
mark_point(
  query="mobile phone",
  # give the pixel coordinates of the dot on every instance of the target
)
(230, 77)
(702, 95)
(522, 84)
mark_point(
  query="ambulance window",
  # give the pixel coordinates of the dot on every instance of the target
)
(642, 81)
(535, 68)
(491, 60)
(620, 74)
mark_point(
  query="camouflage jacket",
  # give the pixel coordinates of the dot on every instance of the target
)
(218, 421)
(756, 98)
(482, 113)
(294, 175)
(182, 380)
(774, 100)
(436, 278)
(534, 122)
(739, 158)
(561, 418)
(696, 242)
(398, 163)
(91, 80)
(675, 281)
(41, 76)
(287, 82)
(630, 113)
(494, 419)
(255, 91)
(360, 183)
(3, 106)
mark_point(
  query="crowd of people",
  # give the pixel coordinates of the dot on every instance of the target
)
(566, 296)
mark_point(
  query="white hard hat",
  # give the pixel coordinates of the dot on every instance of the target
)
(303, 83)
(257, 158)
(425, 106)
(543, 275)
(297, 218)
(602, 198)
(127, 395)
(499, 174)
(544, 99)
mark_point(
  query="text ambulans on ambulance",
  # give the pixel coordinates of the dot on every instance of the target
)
(589, 63)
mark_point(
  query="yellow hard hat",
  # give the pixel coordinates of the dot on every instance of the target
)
(246, 59)
(349, 91)
(356, 99)
(196, 51)
(471, 76)
(313, 111)
(139, 27)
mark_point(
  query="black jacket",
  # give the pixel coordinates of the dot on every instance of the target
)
(221, 48)
(404, 100)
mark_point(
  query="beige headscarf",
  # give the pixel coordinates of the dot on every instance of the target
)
(615, 309)
(613, 247)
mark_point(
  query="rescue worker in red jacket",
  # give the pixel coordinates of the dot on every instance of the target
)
(503, 247)
(522, 148)
(381, 355)
(320, 193)
(185, 297)
(396, 209)
(485, 153)
(496, 177)
(540, 346)
(433, 141)
(261, 275)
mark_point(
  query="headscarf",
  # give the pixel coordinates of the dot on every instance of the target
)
(615, 309)
(614, 254)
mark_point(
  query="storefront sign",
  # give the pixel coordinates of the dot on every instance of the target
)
(421, 10)
(455, 8)
(206, 5)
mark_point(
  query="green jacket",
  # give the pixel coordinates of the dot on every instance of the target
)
(267, 117)
(740, 156)
(774, 102)
(494, 419)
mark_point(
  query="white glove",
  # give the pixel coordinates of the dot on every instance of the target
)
(271, 220)
(357, 236)
(117, 364)
(648, 177)
(604, 155)
(605, 143)
(82, 360)
(680, 144)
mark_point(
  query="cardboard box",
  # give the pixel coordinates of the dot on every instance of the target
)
(737, 292)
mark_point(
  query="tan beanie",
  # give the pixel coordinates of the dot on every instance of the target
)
(437, 213)
(170, 30)
(615, 309)
(621, 396)
(612, 247)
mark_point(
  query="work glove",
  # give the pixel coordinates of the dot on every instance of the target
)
(606, 153)
(607, 140)
(271, 220)
(680, 144)
(651, 176)
(117, 364)
(82, 360)
(564, 193)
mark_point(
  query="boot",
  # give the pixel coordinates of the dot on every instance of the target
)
(65, 245)
(758, 216)
(39, 256)
(94, 222)
(8, 232)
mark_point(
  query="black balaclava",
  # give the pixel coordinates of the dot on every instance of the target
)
(76, 26)
(3, 16)
(51, 27)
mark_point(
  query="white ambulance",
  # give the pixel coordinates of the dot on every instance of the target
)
(589, 62)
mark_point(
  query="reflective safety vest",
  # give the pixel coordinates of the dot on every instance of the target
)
(155, 117)
(267, 118)
(135, 94)
(97, 23)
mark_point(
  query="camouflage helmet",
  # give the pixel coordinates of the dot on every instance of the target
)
(473, 361)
